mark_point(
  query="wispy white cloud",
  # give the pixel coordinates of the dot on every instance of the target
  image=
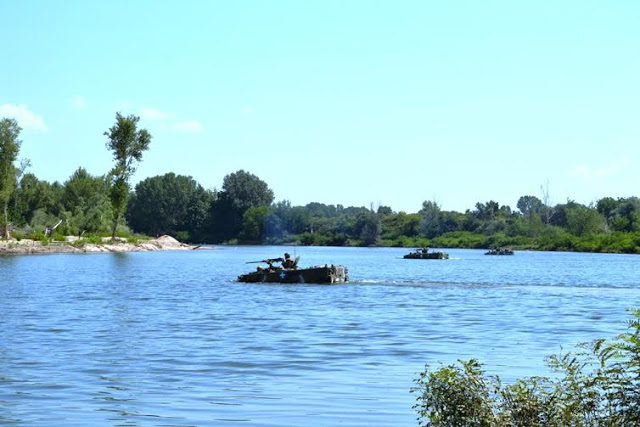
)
(167, 122)
(28, 120)
(192, 126)
(155, 114)
(610, 169)
(79, 102)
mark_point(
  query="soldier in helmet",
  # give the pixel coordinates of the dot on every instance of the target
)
(288, 263)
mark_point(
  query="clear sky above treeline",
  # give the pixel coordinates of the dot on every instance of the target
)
(338, 102)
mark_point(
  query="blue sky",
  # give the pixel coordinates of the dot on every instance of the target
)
(340, 102)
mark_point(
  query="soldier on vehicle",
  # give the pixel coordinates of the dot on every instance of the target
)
(288, 263)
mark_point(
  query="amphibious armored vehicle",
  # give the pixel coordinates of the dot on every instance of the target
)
(316, 274)
(499, 251)
(424, 253)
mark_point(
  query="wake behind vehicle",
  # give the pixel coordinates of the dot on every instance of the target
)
(276, 274)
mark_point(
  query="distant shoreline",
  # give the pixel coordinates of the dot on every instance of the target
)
(27, 247)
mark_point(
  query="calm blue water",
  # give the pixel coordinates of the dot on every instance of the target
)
(170, 339)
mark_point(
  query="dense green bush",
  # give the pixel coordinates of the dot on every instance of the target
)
(57, 237)
(599, 385)
(316, 239)
(91, 238)
(461, 239)
(36, 235)
(183, 236)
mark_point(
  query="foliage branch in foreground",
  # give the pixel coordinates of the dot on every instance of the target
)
(599, 385)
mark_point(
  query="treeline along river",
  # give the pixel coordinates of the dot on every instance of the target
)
(171, 339)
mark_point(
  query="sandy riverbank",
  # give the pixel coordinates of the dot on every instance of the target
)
(26, 246)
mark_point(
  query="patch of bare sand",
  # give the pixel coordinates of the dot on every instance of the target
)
(26, 246)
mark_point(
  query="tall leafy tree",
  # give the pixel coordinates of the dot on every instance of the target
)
(127, 143)
(626, 216)
(9, 149)
(80, 188)
(240, 191)
(86, 203)
(583, 220)
(430, 219)
(487, 211)
(370, 233)
(245, 190)
(606, 206)
(254, 224)
(529, 205)
(169, 204)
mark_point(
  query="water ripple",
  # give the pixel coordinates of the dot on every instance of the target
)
(171, 339)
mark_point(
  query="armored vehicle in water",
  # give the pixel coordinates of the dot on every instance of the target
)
(275, 274)
(499, 251)
(424, 253)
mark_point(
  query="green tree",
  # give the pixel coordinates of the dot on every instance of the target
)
(430, 221)
(85, 200)
(298, 220)
(97, 214)
(606, 206)
(625, 216)
(451, 221)
(127, 144)
(81, 187)
(30, 197)
(396, 226)
(240, 191)
(254, 224)
(9, 149)
(245, 190)
(169, 204)
(531, 206)
(582, 220)
(491, 217)
(370, 234)
(487, 211)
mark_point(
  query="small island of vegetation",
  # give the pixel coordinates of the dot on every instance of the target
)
(243, 211)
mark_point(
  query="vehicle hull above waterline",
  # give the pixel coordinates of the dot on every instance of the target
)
(499, 252)
(428, 255)
(319, 274)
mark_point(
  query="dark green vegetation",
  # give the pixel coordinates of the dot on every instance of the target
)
(243, 210)
(9, 148)
(597, 386)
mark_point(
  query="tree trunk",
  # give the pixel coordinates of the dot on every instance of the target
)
(5, 225)
(116, 219)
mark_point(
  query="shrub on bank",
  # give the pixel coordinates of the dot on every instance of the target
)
(597, 386)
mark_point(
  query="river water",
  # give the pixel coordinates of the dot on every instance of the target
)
(171, 339)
